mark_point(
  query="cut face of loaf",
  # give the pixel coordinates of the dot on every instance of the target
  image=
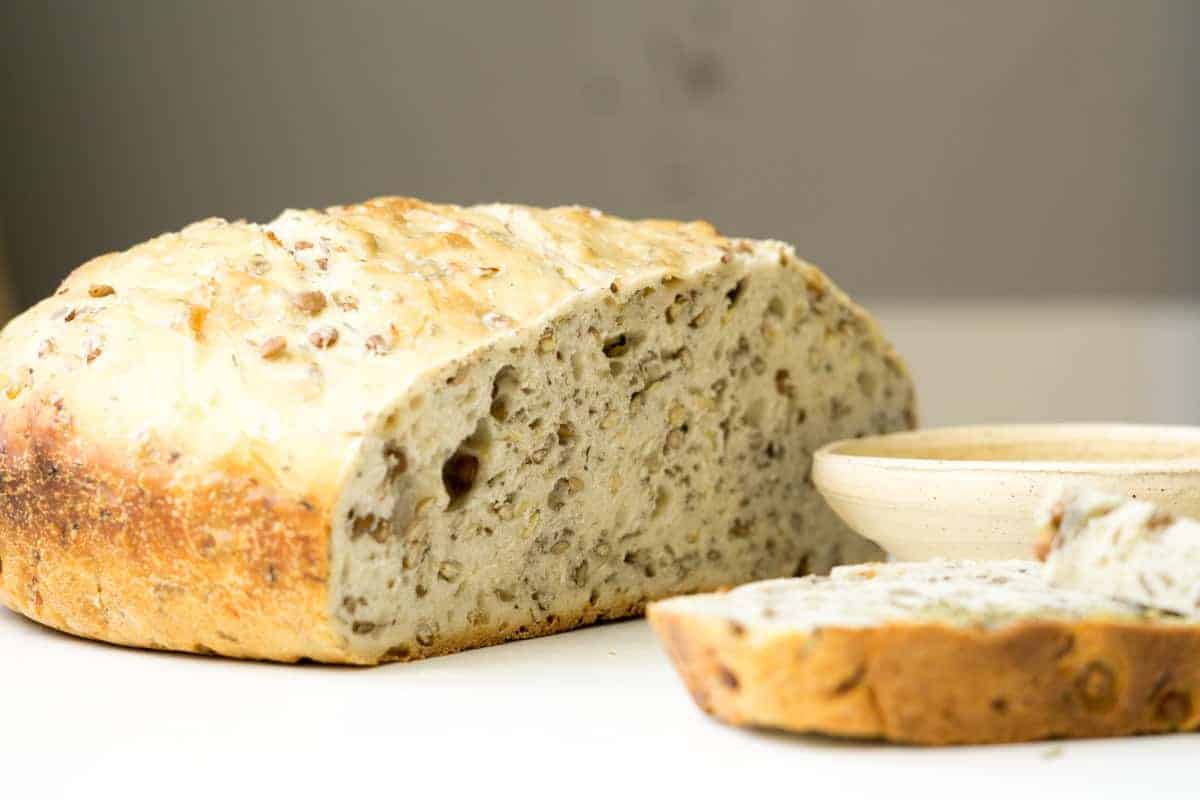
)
(634, 449)
(395, 430)
(1129, 549)
(934, 653)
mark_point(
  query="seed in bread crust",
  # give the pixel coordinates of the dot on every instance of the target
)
(1160, 519)
(727, 677)
(100, 290)
(1097, 687)
(323, 338)
(311, 303)
(1174, 708)
(398, 653)
(377, 344)
(272, 347)
(426, 633)
(91, 349)
(851, 681)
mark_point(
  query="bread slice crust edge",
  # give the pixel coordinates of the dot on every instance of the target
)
(228, 565)
(940, 684)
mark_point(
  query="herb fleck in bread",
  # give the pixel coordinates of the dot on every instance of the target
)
(1123, 548)
(399, 429)
(934, 653)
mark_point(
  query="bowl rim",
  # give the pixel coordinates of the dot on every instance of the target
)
(1130, 431)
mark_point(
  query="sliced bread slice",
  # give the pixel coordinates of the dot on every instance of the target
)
(934, 653)
(1129, 549)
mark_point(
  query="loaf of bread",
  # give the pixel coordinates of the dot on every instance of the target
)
(398, 429)
(1128, 549)
(934, 653)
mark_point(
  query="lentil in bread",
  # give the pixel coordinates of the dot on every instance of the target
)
(934, 653)
(398, 429)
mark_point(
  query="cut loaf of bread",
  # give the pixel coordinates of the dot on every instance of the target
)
(1129, 549)
(934, 653)
(398, 429)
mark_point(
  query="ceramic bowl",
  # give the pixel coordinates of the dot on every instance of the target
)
(974, 492)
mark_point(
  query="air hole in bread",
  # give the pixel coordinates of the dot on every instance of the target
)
(566, 434)
(397, 461)
(621, 344)
(674, 309)
(734, 294)
(558, 495)
(503, 386)
(661, 500)
(458, 476)
(783, 383)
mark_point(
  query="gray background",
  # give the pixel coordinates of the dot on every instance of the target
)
(920, 149)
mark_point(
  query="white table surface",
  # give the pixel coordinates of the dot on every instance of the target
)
(592, 713)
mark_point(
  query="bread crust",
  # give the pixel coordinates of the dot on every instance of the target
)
(938, 684)
(225, 566)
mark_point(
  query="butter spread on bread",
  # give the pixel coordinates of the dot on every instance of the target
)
(1129, 549)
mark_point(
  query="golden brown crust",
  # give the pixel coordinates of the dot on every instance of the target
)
(102, 551)
(936, 684)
